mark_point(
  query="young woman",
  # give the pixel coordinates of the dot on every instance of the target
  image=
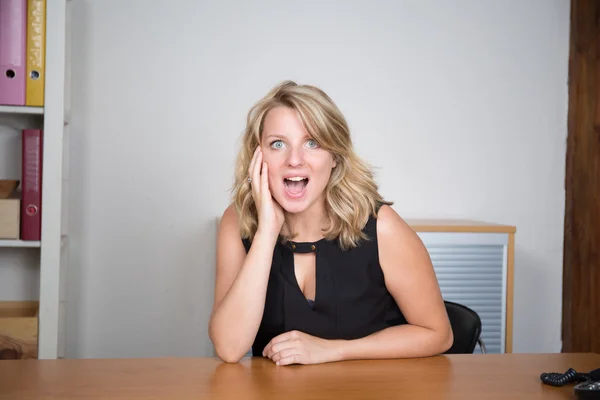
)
(313, 265)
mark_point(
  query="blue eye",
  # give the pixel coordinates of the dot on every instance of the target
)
(312, 143)
(277, 144)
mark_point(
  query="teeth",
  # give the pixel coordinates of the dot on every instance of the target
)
(295, 178)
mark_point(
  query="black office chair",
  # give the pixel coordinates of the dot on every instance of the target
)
(466, 327)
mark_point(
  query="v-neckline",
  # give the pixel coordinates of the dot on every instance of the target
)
(303, 248)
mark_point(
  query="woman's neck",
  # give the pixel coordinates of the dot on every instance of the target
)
(307, 225)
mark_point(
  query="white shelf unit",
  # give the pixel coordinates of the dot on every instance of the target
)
(51, 118)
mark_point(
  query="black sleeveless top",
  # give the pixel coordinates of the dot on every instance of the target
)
(351, 298)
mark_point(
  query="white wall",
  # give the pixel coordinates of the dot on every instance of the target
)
(460, 105)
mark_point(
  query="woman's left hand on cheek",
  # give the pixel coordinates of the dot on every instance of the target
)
(296, 347)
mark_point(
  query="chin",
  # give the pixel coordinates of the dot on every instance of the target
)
(294, 208)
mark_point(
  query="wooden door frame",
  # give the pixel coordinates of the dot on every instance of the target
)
(581, 258)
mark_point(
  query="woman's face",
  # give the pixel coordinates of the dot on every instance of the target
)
(299, 169)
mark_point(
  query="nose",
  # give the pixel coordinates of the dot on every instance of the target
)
(295, 157)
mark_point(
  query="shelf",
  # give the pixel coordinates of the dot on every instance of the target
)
(22, 110)
(18, 243)
(28, 243)
(21, 117)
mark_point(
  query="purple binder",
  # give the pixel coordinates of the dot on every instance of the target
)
(13, 45)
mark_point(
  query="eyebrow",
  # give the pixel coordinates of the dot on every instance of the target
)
(274, 135)
(280, 136)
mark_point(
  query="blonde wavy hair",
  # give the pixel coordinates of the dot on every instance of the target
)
(351, 194)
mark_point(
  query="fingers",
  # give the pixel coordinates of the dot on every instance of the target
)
(254, 173)
(256, 185)
(271, 351)
(264, 178)
(257, 167)
(292, 359)
(253, 162)
(287, 356)
(284, 337)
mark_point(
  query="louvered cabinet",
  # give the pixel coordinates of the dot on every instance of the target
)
(473, 262)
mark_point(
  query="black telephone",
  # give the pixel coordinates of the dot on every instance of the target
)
(587, 387)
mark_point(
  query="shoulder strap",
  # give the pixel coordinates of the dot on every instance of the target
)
(371, 226)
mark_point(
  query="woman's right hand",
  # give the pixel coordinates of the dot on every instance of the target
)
(270, 213)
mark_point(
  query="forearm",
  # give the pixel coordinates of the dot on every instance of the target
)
(236, 319)
(403, 341)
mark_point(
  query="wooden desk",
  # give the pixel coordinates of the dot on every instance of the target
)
(490, 376)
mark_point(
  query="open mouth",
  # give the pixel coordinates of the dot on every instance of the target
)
(295, 185)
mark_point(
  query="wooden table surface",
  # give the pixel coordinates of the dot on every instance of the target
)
(489, 376)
